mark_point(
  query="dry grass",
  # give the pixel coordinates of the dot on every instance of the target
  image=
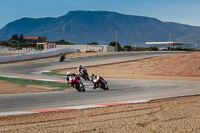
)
(11, 88)
(6, 54)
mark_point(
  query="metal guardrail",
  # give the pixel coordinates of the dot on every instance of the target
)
(7, 51)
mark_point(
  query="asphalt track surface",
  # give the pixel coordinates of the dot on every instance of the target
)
(120, 89)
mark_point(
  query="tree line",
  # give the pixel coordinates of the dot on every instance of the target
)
(17, 41)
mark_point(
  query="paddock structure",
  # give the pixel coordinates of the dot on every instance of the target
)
(169, 44)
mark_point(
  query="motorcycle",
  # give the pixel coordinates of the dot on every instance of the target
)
(76, 83)
(84, 74)
(100, 83)
(62, 57)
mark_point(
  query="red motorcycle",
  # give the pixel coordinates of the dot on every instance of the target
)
(76, 83)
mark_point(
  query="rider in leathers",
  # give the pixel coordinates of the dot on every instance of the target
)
(71, 75)
(62, 57)
(79, 70)
(94, 77)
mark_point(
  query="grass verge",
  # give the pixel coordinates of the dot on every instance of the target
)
(57, 85)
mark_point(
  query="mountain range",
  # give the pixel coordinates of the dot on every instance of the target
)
(80, 27)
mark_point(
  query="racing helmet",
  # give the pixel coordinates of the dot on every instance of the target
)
(80, 66)
(82, 71)
(69, 73)
(92, 75)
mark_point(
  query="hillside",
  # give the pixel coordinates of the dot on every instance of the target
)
(100, 26)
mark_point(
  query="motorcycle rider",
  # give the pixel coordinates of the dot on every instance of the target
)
(79, 69)
(71, 75)
(94, 77)
(62, 57)
(76, 78)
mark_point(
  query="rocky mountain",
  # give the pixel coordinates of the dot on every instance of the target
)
(100, 26)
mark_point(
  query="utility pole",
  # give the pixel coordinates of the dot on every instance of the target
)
(116, 40)
(170, 39)
(86, 33)
(131, 40)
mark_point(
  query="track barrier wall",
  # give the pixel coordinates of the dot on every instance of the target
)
(35, 55)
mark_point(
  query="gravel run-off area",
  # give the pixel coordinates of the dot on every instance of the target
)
(178, 115)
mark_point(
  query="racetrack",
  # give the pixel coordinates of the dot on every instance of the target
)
(120, 90)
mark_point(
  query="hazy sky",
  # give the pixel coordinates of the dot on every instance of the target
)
(181, 11)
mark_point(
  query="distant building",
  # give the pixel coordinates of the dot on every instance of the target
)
(169, 44)
(47, 45)
(34, 39)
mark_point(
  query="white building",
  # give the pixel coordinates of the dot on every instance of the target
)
(89, 48)
(47, 45)
(170, 44)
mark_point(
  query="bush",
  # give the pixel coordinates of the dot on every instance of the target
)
(119, 48)
(153, 49)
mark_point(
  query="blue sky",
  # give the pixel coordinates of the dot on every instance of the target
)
(181, 11)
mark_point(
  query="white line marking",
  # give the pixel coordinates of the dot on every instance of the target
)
(136, 101)
(16, 113)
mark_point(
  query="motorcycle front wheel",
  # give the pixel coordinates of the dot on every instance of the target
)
(77, 87)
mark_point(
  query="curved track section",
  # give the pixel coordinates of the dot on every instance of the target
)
(26, 69)
(120, 89)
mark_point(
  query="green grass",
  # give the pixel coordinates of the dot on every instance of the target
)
(53, 72)
(58, 86)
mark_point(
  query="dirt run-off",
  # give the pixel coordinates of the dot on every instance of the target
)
(164, 116)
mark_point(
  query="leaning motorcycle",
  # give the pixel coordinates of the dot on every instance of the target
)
(101, 83)
(84, 74)
(76, 83)
(62, 58)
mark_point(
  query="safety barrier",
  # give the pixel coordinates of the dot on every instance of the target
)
(8, 51)
(35, 55)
